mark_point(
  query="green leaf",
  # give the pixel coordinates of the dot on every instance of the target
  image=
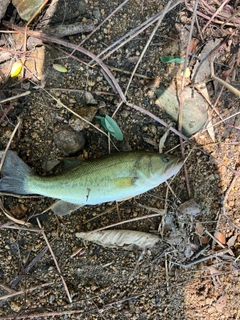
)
(59, 67)
(111, 126)
(170, 59)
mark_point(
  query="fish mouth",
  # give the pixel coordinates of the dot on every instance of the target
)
(175, 167)
(179, 163)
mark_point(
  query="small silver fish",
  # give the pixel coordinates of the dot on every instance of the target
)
(109, 178)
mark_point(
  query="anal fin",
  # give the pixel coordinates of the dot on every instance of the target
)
(62, 208)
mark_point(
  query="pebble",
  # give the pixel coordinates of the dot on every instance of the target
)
(68, 140)
(90, 99)
(96, 13)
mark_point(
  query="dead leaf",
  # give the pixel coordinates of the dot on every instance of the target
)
(162, 141)
(167, 223)
(188, 252)
(9, 215)
(232, 240)
(154, 82)
(226, 73)
(199, 229)
(201, 70)
(210, 130)
(212, 270)
(204, 240)
(220, 237)
(221, 303)
(126, 239)
(193, 45)
(19, 210)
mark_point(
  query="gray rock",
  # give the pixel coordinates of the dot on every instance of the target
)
(68, 140)
(194, 108)
(3, 7)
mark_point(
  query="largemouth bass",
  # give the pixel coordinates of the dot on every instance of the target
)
(109, 178)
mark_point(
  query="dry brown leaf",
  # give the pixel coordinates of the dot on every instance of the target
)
(220, 237)
(221, 303)
(212, 270)
(193, 45)
(232, 240)
(19, 210)
(154, 82)
(204, 240)
(201, 70)
(199, 229)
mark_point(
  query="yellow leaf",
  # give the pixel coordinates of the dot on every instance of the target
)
(187, 73)
(16, 69)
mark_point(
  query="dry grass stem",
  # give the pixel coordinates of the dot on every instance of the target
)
(20, 95)
(17, 293)
(55, 261)
(127, 221)
(9, 142)
(160, 19)
(133, 33)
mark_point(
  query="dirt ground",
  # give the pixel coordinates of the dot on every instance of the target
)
(193, 271)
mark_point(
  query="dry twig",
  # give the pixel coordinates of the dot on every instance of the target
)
(17, 293)
(55, 261)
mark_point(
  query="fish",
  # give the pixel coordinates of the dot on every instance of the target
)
(113, 177)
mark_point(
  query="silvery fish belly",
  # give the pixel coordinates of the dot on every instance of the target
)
(109, 178)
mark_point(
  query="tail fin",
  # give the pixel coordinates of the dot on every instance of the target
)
(14, 175)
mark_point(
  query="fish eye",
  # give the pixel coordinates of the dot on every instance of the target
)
(165, 159)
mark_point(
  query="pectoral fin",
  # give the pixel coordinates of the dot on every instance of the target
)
(62, 208)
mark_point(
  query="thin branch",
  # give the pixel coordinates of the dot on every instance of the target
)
(160, 19)
(149, 216)
(163, 123)
(214, 255)
(16, 227)
(9, 142)
(214, 15)
(18, 278)
(143, 52)
(55, 261)
(133, 33)
(14, 294)
(16, 97)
